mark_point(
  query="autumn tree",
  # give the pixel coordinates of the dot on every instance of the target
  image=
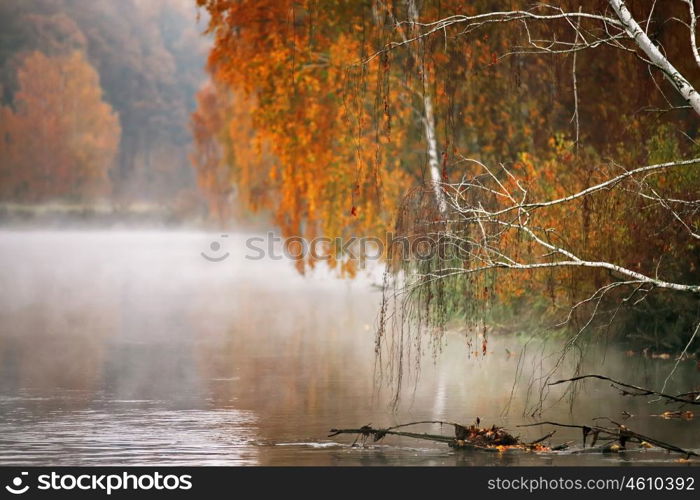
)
(331, 159)
(501, 114)
(59, 137)
(150, 59)
(591, 229)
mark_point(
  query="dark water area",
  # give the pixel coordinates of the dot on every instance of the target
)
(125, 348)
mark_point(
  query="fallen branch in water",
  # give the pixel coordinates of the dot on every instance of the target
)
(641, 391)
(686, 415)
(621, 434)
(546, 436)
(466, 437)
(495, 438)
(377, 434)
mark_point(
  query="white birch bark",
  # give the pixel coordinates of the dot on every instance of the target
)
(693, 28)
(433, 158)
(428, 122)
(655, 56)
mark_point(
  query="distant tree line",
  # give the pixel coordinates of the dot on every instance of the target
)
(96, 98)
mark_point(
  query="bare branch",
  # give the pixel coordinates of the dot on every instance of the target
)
(641, 391)
(655, 56)
(693, 28)
(681, 356)
(520, 213)
(598, 187)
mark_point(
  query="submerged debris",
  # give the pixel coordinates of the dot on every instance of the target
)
(686, 415)
(617, 437)
(482, 437)
(492, 438)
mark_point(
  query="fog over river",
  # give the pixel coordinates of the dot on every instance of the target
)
(131, 348)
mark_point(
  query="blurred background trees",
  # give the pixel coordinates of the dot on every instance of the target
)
(59, 137)
(148, 58)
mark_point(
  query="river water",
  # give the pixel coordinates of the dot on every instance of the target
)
(132, 348)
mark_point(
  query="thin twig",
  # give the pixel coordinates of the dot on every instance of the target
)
(642, 391)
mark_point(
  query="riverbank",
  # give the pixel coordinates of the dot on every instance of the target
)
(98, 215)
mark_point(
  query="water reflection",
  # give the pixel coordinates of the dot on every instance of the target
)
(130, 348)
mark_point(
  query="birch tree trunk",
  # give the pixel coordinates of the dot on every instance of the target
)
(433, 158)
(428, 118)
(655, 56)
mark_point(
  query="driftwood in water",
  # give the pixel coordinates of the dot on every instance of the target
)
(377, 434)
(495, 438)
(621, 434)
(688, 398)
(473, 437)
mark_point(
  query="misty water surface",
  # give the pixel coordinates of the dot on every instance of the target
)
(131, 348)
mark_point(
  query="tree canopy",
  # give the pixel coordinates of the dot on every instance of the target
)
(60, 137)
(352, 107)
(149, 58)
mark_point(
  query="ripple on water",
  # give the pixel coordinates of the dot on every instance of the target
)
(121, 435)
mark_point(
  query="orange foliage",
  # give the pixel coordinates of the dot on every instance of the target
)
(332, 167)
(60, 137)
(325, 131)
